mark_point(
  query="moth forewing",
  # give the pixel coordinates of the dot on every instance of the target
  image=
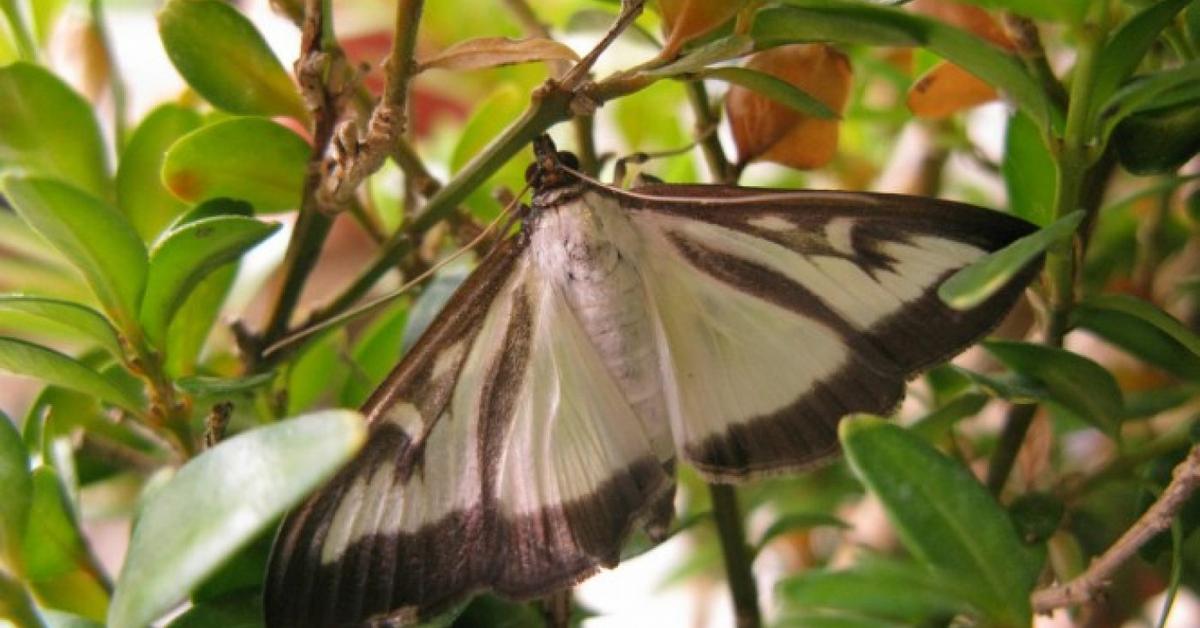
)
(536, 421)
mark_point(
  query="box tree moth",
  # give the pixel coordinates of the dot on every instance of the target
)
(538, 419)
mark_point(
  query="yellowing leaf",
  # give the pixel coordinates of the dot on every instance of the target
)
(491, 52)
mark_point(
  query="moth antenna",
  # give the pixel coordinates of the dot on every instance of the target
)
(293, 339)
(621, 167)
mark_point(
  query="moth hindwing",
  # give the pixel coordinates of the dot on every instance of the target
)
(537, 420)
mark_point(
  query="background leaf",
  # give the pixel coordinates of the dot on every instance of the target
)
(140, 192)
(52, 367)
(16, 493)
(71, 318)
(49, 130)
(203, 37)
(221, 500)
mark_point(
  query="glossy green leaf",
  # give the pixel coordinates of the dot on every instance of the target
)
(973, 285)
(944, 516)
(59, 566)
(206, 38)
(774, 88)
(1078, 384)
(100, 243)
(886, 589)
(1029, 171)
(195, 319)
(1124, 50)
(250, 159)
(47, 129)
(55, 314)
(186, 256)
(25, 358)
(140, 192)
(797, 521)
(1142, 329)
(853, 23)
(220, 501)
(16, 493)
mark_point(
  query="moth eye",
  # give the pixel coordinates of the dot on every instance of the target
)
(531, 173)
(568, 159)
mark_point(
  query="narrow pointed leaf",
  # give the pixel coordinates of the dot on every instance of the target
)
(194, 320)
(1029, 171)
(939, 421)
(699, 59)
(1078, 384)
(491, 52)
(1123, 51)
(48, 129)
(249, 159)
(220, 501)
(944, 516)
(16, 605)
(975, 283)
(186, 256)
(881, 588)
(140, 192)
(53, 314)
(774, 88)
(16, 493)
(1142, 329)
(50, 366)
(96, 239)
(205, 39)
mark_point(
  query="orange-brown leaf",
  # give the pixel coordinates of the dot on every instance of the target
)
(967, 17)
(767, 130)
(490, 52)
(945, 90)
(685, 20)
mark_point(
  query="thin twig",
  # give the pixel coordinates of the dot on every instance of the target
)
(744, 590)
(710, 144)
(1012, 435)
(357, 158)
(1089, 586)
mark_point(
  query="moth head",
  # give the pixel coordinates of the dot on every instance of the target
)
(551, 168)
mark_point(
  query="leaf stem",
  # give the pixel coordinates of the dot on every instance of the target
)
(742, 587)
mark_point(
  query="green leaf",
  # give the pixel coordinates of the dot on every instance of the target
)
(699, 59)
(1029, 171)
(944, 516)
(25, 358)
(49, 130)
(140, 192)
(973, 285)
(1124, 50)
(205, 39)
(100, 243)
(251, 159)
(1161, 90)
(59, 566)
(16, 605)
(853, 23)
(1059, 10)
(1142, 329)
(221, 387)
(1158, 141)
(375, 354)
(16, 493)
(887, 589)
(939, 421)
(220, 501)
(43, 314)
(796, 521)
(236, 611)
(194, 320)
(186, 256)
(317, 371)
(490, 118)
(1083, 387)
(774, 88)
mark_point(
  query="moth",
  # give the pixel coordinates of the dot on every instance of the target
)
(539, 418)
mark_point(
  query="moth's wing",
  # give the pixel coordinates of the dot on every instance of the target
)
(782, 312)
(501, 456)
